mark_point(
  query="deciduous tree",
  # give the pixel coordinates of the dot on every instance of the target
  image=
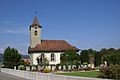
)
(84, 56)
(69, 57)
(11, 57)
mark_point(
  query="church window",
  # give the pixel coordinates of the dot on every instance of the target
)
(42, 56)
(52, 57)
(35, 27)
(35, 33)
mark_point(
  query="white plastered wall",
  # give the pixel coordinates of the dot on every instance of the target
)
(48, 56)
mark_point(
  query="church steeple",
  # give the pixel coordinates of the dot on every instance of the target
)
(35, 33)
(36, 22)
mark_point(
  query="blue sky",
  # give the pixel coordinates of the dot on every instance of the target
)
(83, 23)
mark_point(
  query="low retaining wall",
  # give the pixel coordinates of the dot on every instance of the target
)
(42, 76)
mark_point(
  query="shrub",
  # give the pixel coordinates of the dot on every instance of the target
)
(46, 70)
(57, 66)
(111, 72)
(21, 67)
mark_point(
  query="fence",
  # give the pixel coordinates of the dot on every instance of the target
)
(42, 76)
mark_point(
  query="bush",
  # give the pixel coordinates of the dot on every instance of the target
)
(57, 66)
(21, 67)
(111, 72)
(46, 70)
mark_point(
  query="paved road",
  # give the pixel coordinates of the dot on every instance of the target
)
(4, 76)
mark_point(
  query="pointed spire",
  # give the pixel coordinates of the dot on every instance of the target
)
(35, 21)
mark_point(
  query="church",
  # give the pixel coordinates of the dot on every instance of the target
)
(49, 49)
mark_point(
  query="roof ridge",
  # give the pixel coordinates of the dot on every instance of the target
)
(53, 40)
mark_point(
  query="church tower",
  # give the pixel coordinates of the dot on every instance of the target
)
(35, 33)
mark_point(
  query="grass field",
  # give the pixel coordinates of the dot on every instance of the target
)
(91, 74)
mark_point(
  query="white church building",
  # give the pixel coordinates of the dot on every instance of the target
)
(49, 49)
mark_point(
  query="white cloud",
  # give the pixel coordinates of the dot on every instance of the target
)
(11, 31)
(22, 48)
(15, 31)
(9, 27)
(1, 50)
(3, 47)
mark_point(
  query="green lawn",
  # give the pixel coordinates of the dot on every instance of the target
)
(92, 74)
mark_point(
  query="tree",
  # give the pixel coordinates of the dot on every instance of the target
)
(97, 59)
(84, 56)
(11, 57)
(63, 58)
(91, 54)
(69, 57)
(112, 56)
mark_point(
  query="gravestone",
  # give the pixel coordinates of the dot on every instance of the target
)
(105, 64)
(49, 67)
(14, 67)
(53, 68)
(33, 68)
(59, 67)
(73, 67)
(69, 67)
(89, 65)
(64, 67)
(28, 68)
(39, 68)
(85, 66)
(80, 66)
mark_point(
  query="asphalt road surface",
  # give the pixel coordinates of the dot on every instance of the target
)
(4, 76)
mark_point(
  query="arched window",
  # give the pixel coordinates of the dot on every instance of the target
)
(42, 56)
(35, 33)
(52, 57)
(35, 27)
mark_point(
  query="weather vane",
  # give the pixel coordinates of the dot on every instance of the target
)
(35, 12)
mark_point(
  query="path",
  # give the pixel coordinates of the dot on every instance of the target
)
(4, 76)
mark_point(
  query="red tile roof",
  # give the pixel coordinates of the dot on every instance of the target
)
(52, 46)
